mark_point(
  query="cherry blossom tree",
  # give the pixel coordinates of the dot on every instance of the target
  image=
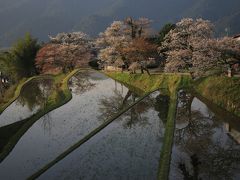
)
(190, 47)
(179, 43)
(140, 49)
(111, 41)
(64, 53)
(125, 42)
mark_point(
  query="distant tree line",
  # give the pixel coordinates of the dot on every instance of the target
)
(187, 46)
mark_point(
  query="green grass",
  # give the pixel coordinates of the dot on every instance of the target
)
(170, 83)
(165, 157)
(222, 91)
(219, 90)
(146, 83)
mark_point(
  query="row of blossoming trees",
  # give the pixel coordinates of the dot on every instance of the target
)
(187, 46)
(192, 47)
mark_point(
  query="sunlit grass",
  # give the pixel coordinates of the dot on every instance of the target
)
(222, 91)
(147, 83)
(167, 82)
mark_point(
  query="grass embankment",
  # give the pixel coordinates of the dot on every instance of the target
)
(221, 113)
(222, 91)
(170, 82)
(145, 83)
(59, 96)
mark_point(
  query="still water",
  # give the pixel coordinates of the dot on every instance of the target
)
(56, 131)
(129, 148)
(206, 146)
(32, 97)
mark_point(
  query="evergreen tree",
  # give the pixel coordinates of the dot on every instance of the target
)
(23, 54)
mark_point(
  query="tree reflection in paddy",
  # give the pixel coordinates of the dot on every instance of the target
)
(126, 149)
(81, 82)
(203, 148)
(32, 98)
(35, 94)
(111, 105)
(58, 130)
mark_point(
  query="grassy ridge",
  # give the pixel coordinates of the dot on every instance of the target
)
(146, 83)
(166, 152)
(170, 82)
(85, 139)
(14, 92)
(60, 96)
(222, 91)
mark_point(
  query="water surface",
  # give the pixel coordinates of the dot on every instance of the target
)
(206, 143)
(205, 146)
(129, 148)
(61, 128)
(33, 97)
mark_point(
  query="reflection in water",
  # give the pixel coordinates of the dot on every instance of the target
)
(129, 148)
(117, 152)
(35, 93)
(162, 106)
(202, 149)
(61, 128)
(81, 82)
(32, 98)
(136, 115)
(47, 123)
(111, 105)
